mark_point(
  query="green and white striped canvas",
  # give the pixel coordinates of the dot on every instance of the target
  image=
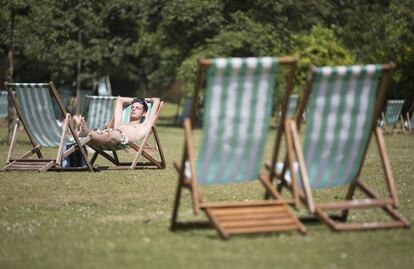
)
(393, 111)
(292, 105)
(340, 114)
(37, 111)
(100, 110)
(237, 113)
(4, 104)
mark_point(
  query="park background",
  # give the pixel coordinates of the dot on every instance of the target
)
(151, 47)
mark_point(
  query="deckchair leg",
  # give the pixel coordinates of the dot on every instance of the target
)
(177, 199)
(160, 151)
(176, 206)
(349, 196)
(13, 141)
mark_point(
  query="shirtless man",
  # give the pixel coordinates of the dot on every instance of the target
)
(120, 133)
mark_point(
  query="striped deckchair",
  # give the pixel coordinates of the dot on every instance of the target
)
(33, 103)
(4, 104)
(233, 144)
(104, 86)
(292, 105)
(185, 112)
(343, 103)
(143, 148)
(410, 120)
(393, 116)
(100, 110)
(65, 94)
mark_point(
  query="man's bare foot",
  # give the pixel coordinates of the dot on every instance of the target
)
(83, 129)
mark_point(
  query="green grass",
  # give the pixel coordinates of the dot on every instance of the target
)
(121, 219)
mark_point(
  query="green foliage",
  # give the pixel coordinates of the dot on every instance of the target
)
(320, 47)
(146, 45)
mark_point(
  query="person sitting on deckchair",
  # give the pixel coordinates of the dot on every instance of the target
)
(119, 132)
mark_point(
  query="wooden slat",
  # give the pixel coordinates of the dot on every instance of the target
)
(47, 166)
(355, 204)
(248, 230)
(242, 204)
(369, 225)
(34, 160)
(16, 165)
(256, 223)
(255, 210)
(260, 215)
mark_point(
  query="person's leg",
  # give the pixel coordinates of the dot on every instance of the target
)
(105, 138)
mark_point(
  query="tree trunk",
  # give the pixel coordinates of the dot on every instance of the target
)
(78, 72)
(11, 112)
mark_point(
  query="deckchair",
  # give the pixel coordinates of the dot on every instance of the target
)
(65, 94)
(33, 103)
(292, 105)
(100, 110)
(409, 123)
(343, 103)
(393, 116)
(140, 148)
(185, 112)
(4, 108)
(104, 86)
(237, 112)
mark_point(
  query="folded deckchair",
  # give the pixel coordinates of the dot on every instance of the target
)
(100, 113)
(104, 86)
(33, 103)
(392, 116)
(343, 103)
(292, 105)
(4, 108)
(237, 113)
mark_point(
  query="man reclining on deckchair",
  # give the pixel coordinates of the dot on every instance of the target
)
(119, 132)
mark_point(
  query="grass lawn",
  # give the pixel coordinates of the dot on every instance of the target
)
(120, 219)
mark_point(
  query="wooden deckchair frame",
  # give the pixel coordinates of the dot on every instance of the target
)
(23, 162)
(319, 210)
(394, 128)
(410, 127)
(140, 150)
(230, 210)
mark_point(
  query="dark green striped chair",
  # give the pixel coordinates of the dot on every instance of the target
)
(4, 104)
(342, 104)
(185, 110)
(34, 106)
(237, 113)
(392, 116)
(100, 115)
(100, 111)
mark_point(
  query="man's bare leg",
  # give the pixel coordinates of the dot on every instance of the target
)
(105, 138)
